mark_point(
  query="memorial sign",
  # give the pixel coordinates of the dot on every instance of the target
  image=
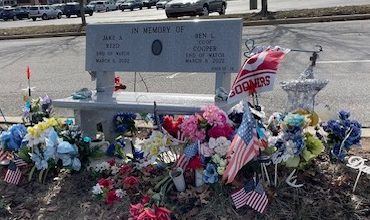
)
(172, 46)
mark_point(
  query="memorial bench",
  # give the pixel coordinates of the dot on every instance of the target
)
(209, 46)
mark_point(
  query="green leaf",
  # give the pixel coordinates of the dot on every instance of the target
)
(292, 162)
(307, 155)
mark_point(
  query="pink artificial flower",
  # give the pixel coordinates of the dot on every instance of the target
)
(107, 183)
(130, 182)
(162, 213)
(136, 210)
(221, 131)
(191, 128)
(214, 115)
(111, 197)
(148, 214)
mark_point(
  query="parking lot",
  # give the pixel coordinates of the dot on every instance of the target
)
(237, 6)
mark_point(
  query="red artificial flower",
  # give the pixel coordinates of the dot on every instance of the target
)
(131, 181)
(150, 169)
(136, 210)
(145, 199)
(105, 182)
(111, 162)
(118, 83)
(111, 197)
(162, 213)
(172, 126)
(148, 214)
(125, 169)
(219, 131)
(195, 163)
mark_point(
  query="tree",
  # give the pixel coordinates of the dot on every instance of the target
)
(82, 12)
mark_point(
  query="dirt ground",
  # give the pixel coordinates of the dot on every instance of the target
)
(327, 194)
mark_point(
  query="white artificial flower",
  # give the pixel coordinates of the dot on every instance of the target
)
(212, 143)
(105, 166)
(163, 149)
(221, 141)
(220, 170)
(222, 162)
(97, 189)
(114, 170)
(221, 150)
(120, 193)
(216, 158)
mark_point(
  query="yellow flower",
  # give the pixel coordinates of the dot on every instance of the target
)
(31, 131)
(154, 150)
(51, 122)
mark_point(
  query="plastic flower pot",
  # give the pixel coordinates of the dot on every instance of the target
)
(178, 179)
(199, 177)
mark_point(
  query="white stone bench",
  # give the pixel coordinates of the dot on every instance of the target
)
(108, 46)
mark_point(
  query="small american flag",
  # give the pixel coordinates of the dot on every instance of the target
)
(14, 174)
(253, 196)
(190, 151)
(4, 155)
(244, 147)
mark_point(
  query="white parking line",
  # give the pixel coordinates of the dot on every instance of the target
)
(344, 61)
(173, 75)
(178, 73)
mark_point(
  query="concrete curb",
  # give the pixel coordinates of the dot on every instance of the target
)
(245, 23)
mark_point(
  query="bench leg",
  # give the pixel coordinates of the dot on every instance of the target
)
(89, 120)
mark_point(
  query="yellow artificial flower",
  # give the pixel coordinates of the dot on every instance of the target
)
(154, 150)
(31, 131)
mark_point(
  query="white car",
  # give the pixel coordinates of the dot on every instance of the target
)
(105, 6)
(44, 12)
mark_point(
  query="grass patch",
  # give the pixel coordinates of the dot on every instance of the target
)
(50, 29)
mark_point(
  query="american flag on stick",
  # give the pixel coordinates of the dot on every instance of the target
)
(4, 155)
(190, 151)
(244, 147)
(14, 174)
(252, 196)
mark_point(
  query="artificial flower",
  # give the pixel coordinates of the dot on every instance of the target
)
(131, 181)
(12, 138)
(214, 115)
(195, 163)
(294, 120)
(115, 170)
(145, 199)
(136, 209)
(107, 183)
(111, 162)
(111, 197)
(97, 189)
(148, 214)
(220, 170)
(206, 150)
(162, 213)
(172, 126)
(120, 193)
(192, 129)
(210, 174)
(125, 169)
(218, 131)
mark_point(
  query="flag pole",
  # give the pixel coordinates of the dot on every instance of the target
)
(28, 74)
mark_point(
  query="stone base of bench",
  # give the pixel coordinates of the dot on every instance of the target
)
(101, 107)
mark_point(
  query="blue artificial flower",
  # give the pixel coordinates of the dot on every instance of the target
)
(210, 174)
(87, 139)
(124, 121)
(69, 121)
(343, 115)
(294, 120)
(68, 154)
(12, 138)
(40, 162)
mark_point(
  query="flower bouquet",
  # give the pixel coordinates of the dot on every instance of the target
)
(35, 110)
(341, 134)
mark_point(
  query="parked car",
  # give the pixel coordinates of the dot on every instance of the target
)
(105, 6)
(177, 8)
(132, 4)
(118, 3)
(149, 3)
(74, 8)
(60, 7)
(44, 12)
(92, 5)
(162, 4)
(25, 7)
(13, 14)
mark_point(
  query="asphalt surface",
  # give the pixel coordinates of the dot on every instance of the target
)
(57, 66)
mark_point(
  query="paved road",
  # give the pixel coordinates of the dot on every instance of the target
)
(57, 66)
(234, 7)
